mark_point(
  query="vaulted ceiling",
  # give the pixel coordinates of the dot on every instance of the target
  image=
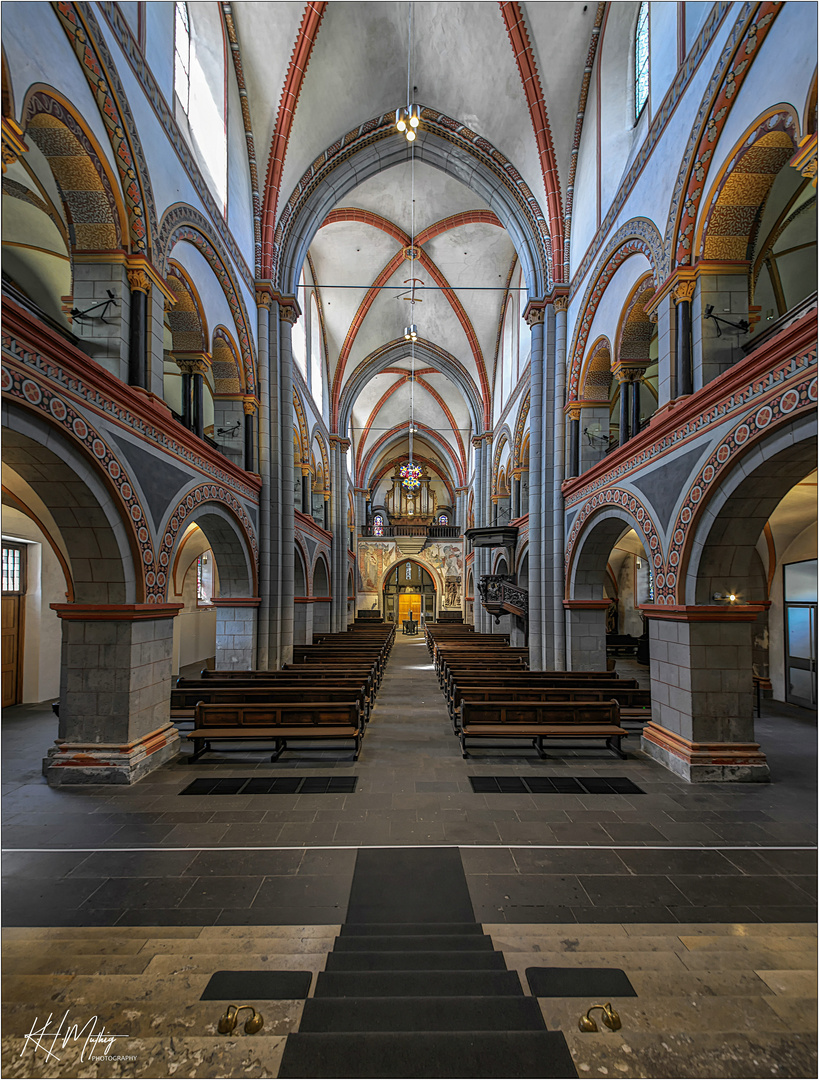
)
(512, 73)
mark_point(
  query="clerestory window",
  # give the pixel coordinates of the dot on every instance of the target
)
(641, 61)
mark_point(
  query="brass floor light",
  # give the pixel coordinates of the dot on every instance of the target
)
(228, 1022)
(611, 1019)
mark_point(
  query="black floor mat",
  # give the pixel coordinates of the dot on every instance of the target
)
(272, 785)
(422, 1014)
(596, 984)
(255, 986)
(473, 1054)
(547, 785)
(393, 885)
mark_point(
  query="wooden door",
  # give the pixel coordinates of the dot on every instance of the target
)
(10, 650)
(409, 606)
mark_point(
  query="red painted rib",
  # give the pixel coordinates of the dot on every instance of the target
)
(305, 40)
(524, 57)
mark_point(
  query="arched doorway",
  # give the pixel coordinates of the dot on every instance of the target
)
(409, 592)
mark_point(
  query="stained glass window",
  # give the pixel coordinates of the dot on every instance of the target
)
(378, 525)
(641, 60)
(410, 475)
(443, 519)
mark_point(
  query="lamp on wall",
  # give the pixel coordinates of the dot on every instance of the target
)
(729, 596)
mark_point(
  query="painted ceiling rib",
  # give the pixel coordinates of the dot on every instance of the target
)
(527, 66)
(578, 131)
(305, 40)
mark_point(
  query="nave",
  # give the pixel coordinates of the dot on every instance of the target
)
(136, 896)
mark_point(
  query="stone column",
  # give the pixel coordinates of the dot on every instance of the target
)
(288, 314)
(702, 724)
(515, 511)
(140, 285)
(625, 385)
(727, 292)
(186, 367)
(574, 440)
(249, 407)
(306, 490)
(235, 631)
(586, 634)
(338, 525)
(682, 295)
(265, 649)
(198, 397)
(561, 305)
(115, 687)
(534, 317)
(92, 279)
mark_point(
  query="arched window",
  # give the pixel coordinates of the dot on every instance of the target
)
(443, 519)
(641, 60)
(182, 56)
(378, 525)
(316, 383)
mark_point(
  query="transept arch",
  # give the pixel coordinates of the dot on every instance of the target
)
(231, 546)
(443, 143)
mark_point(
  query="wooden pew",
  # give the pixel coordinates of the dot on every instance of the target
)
(542, 720)
(279, 723)
(635, 704)
(185, 699)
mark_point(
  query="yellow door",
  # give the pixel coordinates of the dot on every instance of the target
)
(409, 606)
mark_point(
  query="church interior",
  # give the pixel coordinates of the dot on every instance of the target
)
(354, 352)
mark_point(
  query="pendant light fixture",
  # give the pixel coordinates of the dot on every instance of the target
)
(407, 120)
(408, 117)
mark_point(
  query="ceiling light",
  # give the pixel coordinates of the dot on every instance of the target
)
(400, 121)
(411, 333)
(414, 116)
(410, 135)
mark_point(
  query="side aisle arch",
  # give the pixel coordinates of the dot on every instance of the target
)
(100, 71)
(638, 236)
(183, 223)
(97, 215)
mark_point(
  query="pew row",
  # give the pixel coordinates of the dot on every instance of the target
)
(542, 720)
(279, 723)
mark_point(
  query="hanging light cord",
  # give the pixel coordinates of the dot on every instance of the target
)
(412, 241)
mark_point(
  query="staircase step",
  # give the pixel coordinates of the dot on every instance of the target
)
(417, 983)
(422, 1014)
(415, 961)
(384, 929)
(539, 1054)
(416, 943)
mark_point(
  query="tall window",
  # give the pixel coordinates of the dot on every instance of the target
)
(641, 61)
(182, 56)
(378, 525)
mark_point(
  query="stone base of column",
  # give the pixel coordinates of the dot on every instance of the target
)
(700, 763)
(102, 763)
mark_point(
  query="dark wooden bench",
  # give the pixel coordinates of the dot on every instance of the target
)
(185, 699)
(308, 720)
(542, 720)
(492, 677)
(634, 704)
(618, 644)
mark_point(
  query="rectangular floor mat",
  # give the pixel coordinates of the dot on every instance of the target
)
(272, 785)
(564, 785)
(596, 984)
(255, 986)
